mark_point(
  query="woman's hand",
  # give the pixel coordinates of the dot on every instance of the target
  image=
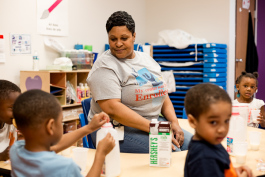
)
(178, 135)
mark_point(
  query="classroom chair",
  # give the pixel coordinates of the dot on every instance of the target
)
(87, 141)
(184, 115)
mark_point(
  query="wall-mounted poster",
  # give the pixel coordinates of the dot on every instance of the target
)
(52, 17)
(20, 44)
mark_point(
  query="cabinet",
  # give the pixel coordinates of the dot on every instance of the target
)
(53, 82)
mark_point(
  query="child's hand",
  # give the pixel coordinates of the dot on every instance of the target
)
(5, 154)
(261, 119)
(244, 171)
(106, 145)
(98, 120)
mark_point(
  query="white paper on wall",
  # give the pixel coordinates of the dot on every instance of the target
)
(2, 49)
(52, 17)
(245, 4)
(20, 44)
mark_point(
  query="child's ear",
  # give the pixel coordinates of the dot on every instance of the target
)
(50, 126)
(192, 121)
(237, 86)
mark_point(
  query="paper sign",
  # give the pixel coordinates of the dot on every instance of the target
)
(245, 4)
(52, 17)
(20, 44)
(2, 49)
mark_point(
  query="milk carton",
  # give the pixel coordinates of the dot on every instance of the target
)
(160, 139)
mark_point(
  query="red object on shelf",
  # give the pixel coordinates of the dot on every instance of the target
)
(1, 36)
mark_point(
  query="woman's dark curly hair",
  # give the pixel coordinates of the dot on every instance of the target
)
(254, 75)
(120, 18)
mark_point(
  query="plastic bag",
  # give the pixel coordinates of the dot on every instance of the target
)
(70, 93)
(178, 39)
(169, 79)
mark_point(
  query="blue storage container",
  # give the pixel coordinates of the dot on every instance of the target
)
(219, 79)
(215, 65)
(214, 55)
(214, 70)
(214, 45)
(215, 60)
(214, 74)
(214, 50)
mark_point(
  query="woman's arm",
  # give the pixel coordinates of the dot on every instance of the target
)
(124, 115)
(169, 113)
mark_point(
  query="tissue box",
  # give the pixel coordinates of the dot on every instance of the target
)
(58, 67)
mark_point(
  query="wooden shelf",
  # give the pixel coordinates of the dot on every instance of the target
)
(48, 80)
(71, 105)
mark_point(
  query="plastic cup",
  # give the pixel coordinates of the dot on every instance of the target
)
(254, 115)
(66, 152)
(240, 151)
(80, 157)
(254, 139)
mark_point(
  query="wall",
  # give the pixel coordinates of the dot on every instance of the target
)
(87, 19)
(212, 20)
(260, 48)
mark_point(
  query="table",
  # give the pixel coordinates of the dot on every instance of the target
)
(138, 164)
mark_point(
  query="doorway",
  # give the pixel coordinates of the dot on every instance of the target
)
(242, 16)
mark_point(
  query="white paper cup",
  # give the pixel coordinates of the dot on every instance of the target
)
(80, 157)
(254, 139)
(240, 151)
(254, 115)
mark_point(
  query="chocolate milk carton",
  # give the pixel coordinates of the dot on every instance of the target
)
(160, 138)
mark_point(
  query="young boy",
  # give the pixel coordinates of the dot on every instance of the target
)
(209, 108)
(8, 94)
(38, 116)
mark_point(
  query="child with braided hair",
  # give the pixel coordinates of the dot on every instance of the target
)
(247, 85)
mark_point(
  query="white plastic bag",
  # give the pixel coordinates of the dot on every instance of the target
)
(178, 39)
(169, 79)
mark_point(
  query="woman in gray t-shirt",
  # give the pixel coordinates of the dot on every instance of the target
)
(128, 86)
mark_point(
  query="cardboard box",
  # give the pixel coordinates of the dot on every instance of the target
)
(160, 140)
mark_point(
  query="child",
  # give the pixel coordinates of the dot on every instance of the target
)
(38, 116)
(247, 85)
(208, 108)
(8, 94)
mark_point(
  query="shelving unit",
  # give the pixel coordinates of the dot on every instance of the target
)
(53, 82)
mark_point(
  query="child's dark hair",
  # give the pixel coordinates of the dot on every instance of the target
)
(120, 18)
(6, 87)
(199, 98)
(33, 107)
(254, 75)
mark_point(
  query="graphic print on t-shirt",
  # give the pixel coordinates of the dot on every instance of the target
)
(156, 93)
(143, 76)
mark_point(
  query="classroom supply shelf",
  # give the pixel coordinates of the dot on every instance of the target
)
(195, 64)
(53, 82)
